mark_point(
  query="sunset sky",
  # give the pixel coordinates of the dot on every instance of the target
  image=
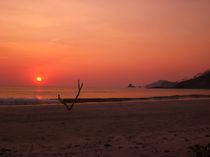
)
(103, 42)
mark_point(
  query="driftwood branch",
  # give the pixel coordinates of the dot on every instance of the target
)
(65, 102)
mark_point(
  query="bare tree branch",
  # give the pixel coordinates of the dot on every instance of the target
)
(74, 101)
(62, 101)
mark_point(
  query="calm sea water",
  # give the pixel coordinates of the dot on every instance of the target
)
(43, 95)
(52, 92)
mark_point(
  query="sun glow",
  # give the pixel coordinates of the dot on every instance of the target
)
(39, 79)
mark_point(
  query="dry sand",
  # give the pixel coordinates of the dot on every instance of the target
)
(130, 129)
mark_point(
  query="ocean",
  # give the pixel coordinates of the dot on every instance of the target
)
(39, 95)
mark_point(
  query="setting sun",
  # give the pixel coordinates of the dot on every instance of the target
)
(39, 79)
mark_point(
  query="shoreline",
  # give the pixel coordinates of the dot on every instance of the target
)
(36, 101)
(172, 97)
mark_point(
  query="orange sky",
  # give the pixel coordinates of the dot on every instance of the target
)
(103, 42)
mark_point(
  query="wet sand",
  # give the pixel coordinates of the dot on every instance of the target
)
(126, 129)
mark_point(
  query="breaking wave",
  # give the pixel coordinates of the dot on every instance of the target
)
(32, 101)
(25, 101)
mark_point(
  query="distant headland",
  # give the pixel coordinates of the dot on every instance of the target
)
(199, 81)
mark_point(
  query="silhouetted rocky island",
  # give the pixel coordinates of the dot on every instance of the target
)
(131, 86)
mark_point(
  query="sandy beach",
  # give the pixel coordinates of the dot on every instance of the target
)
(126, 129)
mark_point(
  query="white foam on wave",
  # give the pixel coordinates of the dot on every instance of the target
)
(25, 101)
